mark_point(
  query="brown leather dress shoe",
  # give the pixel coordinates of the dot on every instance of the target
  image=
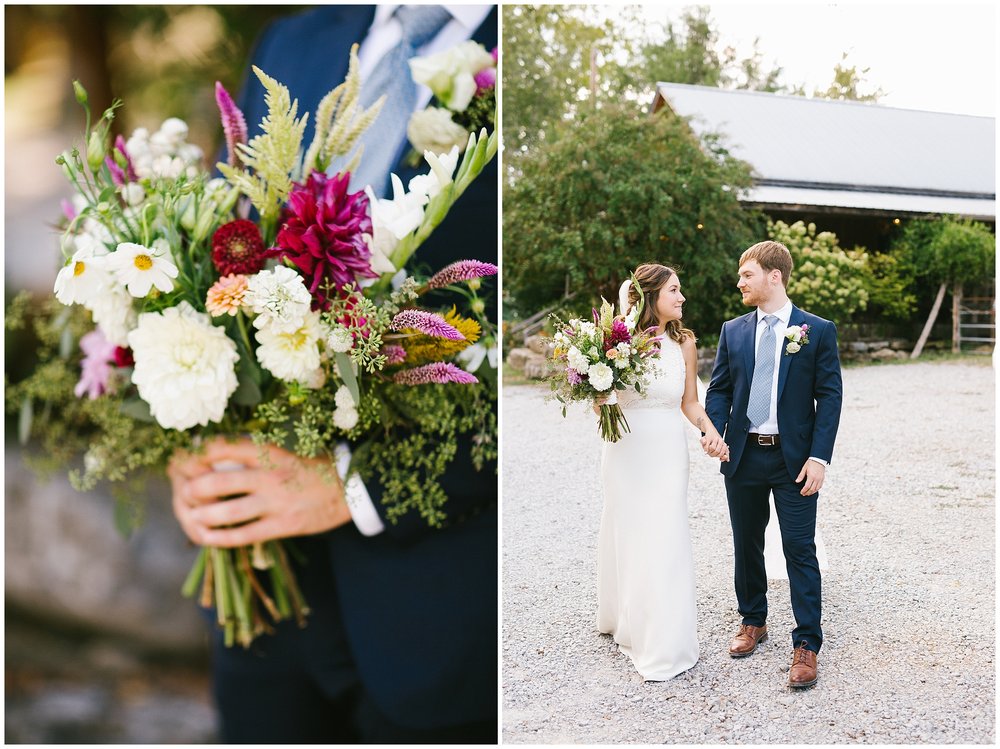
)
(802, 674)
(747, 640)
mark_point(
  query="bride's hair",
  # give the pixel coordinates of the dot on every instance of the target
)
(652, 277)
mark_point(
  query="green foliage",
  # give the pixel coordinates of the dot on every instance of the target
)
(948, 250)
(890, 287)
(618, 189)
(846, 84)
(826, 279)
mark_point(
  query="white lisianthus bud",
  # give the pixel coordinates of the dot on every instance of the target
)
(432, 129)
(792, 347)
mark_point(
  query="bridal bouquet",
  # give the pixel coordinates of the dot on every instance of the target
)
(597, 359)
(180, 313)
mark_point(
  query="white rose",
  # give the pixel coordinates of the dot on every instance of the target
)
(601, 376)
(451, 74)
(184, 366)
(432, 129)
(792, 347)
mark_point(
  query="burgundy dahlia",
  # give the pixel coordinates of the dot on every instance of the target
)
(237, 247)
(322, 234)
(619, 334)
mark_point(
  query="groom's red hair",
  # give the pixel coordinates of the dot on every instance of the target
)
(770, 256)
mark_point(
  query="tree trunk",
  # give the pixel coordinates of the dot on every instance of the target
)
(930, 322)
(956, 318)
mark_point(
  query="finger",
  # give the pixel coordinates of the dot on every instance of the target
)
(217, 484)
(185, 465)
(242, 451)
(801, 476)
(231, 512)
(261, 530)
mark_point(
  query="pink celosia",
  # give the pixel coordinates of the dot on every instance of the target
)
(393, 354)
(463, 270)
(427, 323)
(96, 367)
(234, 124)
(323, 234)
(437, 373)
(226, 295)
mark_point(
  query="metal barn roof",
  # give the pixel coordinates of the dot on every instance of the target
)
(848, 155)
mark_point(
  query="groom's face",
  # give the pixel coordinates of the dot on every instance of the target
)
(754, 284)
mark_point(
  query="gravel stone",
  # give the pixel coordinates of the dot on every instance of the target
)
(907, 515)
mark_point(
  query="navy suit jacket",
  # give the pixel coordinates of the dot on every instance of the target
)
(419, 606)
(810, 390)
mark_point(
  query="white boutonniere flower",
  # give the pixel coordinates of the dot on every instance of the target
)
(798, 336)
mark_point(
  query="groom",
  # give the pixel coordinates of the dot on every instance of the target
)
(400, 645)
(776, 394)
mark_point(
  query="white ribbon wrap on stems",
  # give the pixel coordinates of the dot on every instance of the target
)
(623, 295)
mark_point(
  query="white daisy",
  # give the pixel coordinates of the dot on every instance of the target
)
(140, 268)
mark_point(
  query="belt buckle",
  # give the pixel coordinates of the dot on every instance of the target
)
(765, 440)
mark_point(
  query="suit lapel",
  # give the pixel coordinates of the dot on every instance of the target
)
(796, 318)
(748, 338)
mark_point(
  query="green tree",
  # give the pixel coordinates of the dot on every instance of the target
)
(948, 251)
(619, 188)
(847, 84)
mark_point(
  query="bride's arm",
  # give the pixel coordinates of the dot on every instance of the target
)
(712, 441)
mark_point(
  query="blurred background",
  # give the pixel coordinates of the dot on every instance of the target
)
(100, 645)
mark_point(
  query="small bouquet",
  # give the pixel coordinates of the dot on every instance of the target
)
(597, 359)
(179, 315)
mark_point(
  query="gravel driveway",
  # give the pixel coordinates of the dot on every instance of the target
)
(907, 514)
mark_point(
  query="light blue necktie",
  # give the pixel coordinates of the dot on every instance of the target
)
(759, 405)
(420, 24)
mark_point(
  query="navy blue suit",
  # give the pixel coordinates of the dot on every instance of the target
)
(401, 644)
(810, 393)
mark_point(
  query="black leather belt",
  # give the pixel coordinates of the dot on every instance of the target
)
(764, 440)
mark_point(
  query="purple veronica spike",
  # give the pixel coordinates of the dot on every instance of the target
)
(427, 323)
(463, 270)
(394, 354)
(234, 125)
(439, 373)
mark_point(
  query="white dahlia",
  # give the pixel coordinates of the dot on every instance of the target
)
(184, 366)
(601, 376)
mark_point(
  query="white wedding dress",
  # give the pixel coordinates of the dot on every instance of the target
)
(645, 583)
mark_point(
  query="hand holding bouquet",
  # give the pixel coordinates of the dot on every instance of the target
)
(597, 359)
(181, 315)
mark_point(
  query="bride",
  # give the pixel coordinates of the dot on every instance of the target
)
(645, 584)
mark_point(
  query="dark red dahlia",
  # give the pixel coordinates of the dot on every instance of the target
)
(322, 234)
(237, 247)
(619, 334)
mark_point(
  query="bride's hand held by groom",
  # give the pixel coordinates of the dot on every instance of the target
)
(275, 495)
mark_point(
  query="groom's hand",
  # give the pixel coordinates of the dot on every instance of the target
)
(276, 495)
(715, 447)
(813, 473)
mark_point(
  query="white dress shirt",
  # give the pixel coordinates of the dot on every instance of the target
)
(770, 425)
(382, 36)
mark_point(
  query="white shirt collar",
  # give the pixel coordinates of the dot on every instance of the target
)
(784, 314)
(469, 16)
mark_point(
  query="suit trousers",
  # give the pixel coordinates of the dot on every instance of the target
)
(762, 471)
(300, 685)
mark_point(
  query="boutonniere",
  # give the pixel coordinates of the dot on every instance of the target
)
(463, 80)
(798, 336)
